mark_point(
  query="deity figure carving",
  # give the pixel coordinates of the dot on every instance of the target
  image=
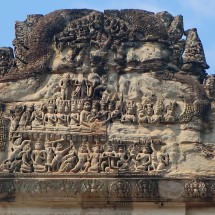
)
(74, 116)
(93, 80)
(69, 160)
(64, 86)
(59, 153)
(123, 159)
(94, 160)
(144, 159)
(141, 115)
(95, 84)
(83, 159)
(170, 112)
(109, 157)
(17, 148)
(80, 85)
(25, 120)
(37, 118)
(49, 149)
(148, 110)
(15, 116)
(39, 157)
(50, 117)
(95, 108)
(129, 116)
(117, 113)
(159, 161)
(85, 115)
(61, 117)
(25, 155)
(133, 150)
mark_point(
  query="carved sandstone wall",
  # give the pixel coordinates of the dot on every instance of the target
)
(116, 98)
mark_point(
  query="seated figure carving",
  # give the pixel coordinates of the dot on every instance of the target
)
(37, 118)
(94, 160)
(38, 157)
(123, 159)
(25, 155)
(25, 120)
(129, 116)
(50, 118)
(83, 159)
(59, 152)
(69, 160)
(62, 118)
(144, 159)
(109, 157)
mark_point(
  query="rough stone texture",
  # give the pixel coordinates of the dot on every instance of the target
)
(106, 107)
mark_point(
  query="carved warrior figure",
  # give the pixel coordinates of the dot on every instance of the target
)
(59, 152)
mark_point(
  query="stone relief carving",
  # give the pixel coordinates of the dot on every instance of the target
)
(147, 189)
(105, 95)
(195, 189)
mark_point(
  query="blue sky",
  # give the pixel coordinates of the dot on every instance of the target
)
(197, 13)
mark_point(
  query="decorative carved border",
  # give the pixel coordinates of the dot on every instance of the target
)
(107, 190)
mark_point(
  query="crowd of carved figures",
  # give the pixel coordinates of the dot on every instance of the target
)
(92, 33)
(85, 105)
(65, 156)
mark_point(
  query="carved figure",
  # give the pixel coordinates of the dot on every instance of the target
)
(59, 152)
(74, 116)
(123, 159)
(129, 116)
(170, 112)
(25, 154)
(133, 150)
(17, 148)
(64, 85)
(144, 159)
(25, 120)
(39, 157)
(156, 117)
(16, 116)
(62, 118)
(50, 118)
(83, 159)
(37, 118)
(69, 161)
(80, 90)
(94, 160)
(86, 116)
(109, 157)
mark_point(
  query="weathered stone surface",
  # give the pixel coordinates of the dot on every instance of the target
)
(106, 107)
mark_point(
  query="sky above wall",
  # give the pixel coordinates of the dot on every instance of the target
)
(197, 14)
